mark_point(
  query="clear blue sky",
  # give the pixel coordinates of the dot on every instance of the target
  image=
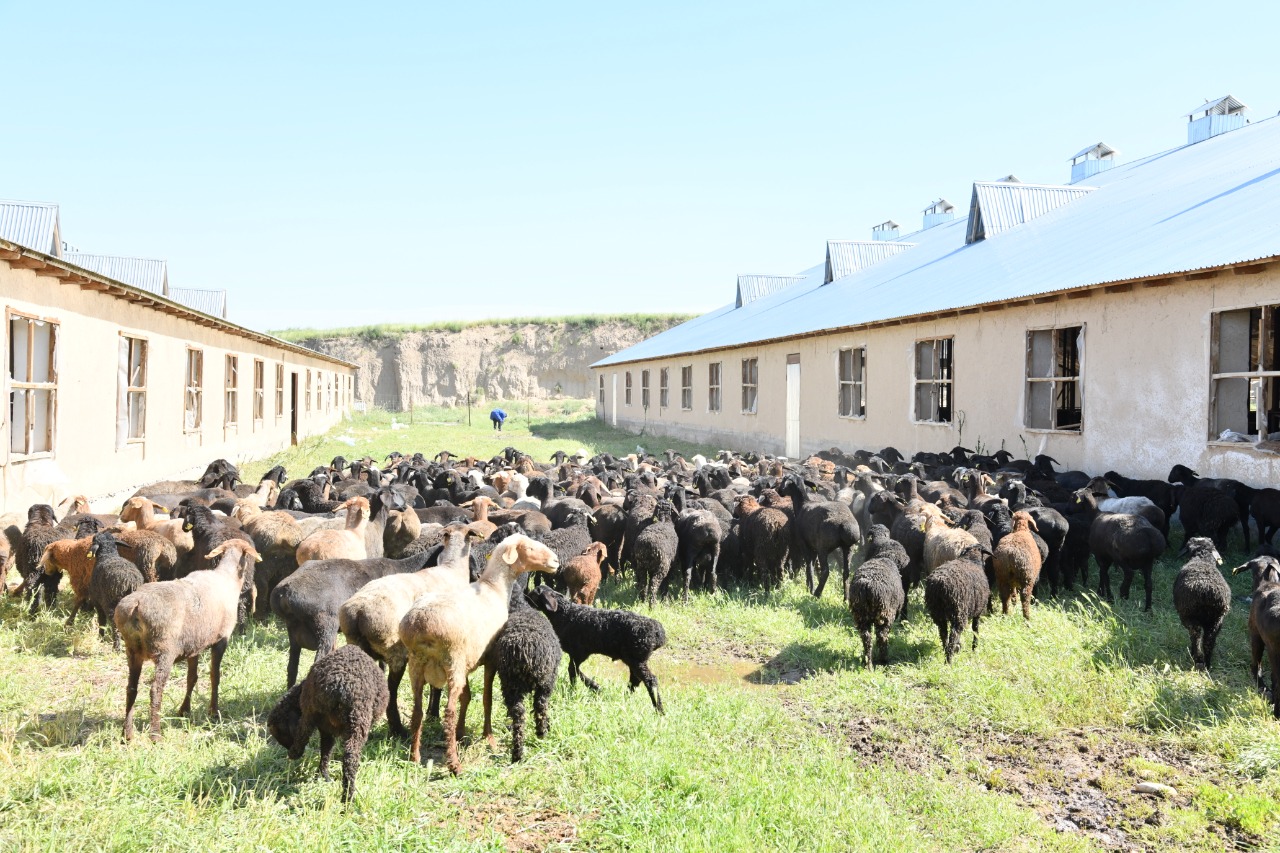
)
(358, 163)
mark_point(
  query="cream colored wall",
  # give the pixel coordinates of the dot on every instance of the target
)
(1145, 385)
(85, 459)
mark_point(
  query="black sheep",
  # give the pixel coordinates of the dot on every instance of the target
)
(617, 634)
(113, 578)
(1202, 598)
(825, 526)
(1240, 494)
(41, 529)
(344, 696)
(1130, 541)
(525, 656)
(955, 594)
(655, 551)
(1208, 511)
(875, 597)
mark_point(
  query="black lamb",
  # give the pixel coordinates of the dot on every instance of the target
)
(875, 598)
(619, 634)
(113, 578)
(344, 695)
(1202, 598)
(525, 656)
(655, 551)
(955, 594)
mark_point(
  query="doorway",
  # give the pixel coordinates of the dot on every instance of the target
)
(613, 403)
(792, 450)
(293, 408)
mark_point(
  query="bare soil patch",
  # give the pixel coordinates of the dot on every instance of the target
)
(522, 826)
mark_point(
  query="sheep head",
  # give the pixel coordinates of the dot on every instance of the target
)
(1201, 546)
(285, 719)
(529, 554)
(1264, 570)
(1025, 518)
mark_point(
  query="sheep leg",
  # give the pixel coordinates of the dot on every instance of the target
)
(395, 674)
(456, 684)
(326, 749)
(295, 652)
(882, 643)
(358, 734)
(953, 642)
(1006, 593)
(591, 685)
(192, 674)
(487, 701)
(541, 711)
(164, 663)
(76, 607)
(215, 676)
(943, 630)
(641, 672)
(1196, 635)
(515, 710)
(1275, 685)
(824, 571)
(131, 693)
(463, 704)
(1256, 650)
(433, 704)
(688, 576)
(1146, 580)
(416, 684)
(1026, 602)
(867, 658)
(1126, 582)
(974, 647)
(1104, 578)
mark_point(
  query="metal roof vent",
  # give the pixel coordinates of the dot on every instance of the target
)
(1214, 117)
(939, 212)
(887, 230)
(1091, 161)
(753, 287)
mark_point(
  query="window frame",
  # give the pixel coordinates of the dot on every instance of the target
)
(664, 387)
(626, 394)
(279, 390)
(1055, 380)
(27, 386)
(857, 386)
(686, 388)
(259, 392)
(193, 396)
(945, 385)
(231, 391)
(1261, 397)
(129, 391)
(750, 385)
(601, 389)
(715, 378)
(645, 397)
(306, 396)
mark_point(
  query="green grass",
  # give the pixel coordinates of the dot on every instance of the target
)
(646, 323)
(776, 737)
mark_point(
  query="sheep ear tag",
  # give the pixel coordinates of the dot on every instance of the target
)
(510, 556)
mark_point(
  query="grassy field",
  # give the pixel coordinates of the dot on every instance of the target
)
(647, 323)
(775, 735)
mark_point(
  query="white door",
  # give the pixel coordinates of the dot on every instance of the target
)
(613, 403)
(793, 409)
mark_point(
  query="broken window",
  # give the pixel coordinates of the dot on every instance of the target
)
(750, 382)
(627, 395)
(33, 384)
(131, 400)
(686, 388)
(259, 391)
(280, 390)
(306, 396)
(644, 389)
(853, 399)
(713, 387)
(934, 373)
(664, 387)
(1055, 398)
(231, 410)
(1245, 394)
(193, 405)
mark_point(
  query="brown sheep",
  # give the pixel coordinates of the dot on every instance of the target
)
(142, 512)
(71, 558)
(346, 544)
(1017, 563)
(581, 574)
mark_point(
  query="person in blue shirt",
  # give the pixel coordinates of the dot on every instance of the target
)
(497, 416)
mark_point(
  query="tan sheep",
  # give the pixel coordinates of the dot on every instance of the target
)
(1017, 563)
(943, 542)
(346, 544)
(142, 512)
(446, 634)
(581, 574)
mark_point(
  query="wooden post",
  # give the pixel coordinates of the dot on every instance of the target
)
(468, 407)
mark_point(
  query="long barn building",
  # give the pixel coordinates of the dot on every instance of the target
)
(1124, 320)
(114, 379)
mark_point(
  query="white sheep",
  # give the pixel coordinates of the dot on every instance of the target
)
(446, 635)
(943, 542)
(1130, 505)
(345, 544)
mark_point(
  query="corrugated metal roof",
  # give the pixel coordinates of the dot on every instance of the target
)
(1225, 105)
(32, 224)
(845, 257)
(998, 206)
(1101, 149)
(752, 287)
(145, 273)
(209, 301)
(1195, 207)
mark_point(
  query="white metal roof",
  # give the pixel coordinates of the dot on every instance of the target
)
(145, 273)
(998, 206)
(845, 257)
(32, 224)
(1225, 105)
(212, 302)
(1198, 206)
(1100, 150)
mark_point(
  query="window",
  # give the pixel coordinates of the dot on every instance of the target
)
(131, 408)
(853, 398)
(686, 388)
(627, 397)
(1245, 372)
(750, 379)
(306, 395)
(664, 387)
(713, 387)
(934, 371)
(1054, 398)
(230, 410)
(602, 389)
(194, 402)
(279, 390)
(33, 384)
(259, 391)
(644, 389)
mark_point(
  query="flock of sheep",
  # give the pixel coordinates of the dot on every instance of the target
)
(424, 567)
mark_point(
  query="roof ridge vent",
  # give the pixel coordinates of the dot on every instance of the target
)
(845, 257)
(1092, 160)
(939, 212)
(887, 230)
(753, 287)
(998, 206)
(150, 274)
(1214, 117)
